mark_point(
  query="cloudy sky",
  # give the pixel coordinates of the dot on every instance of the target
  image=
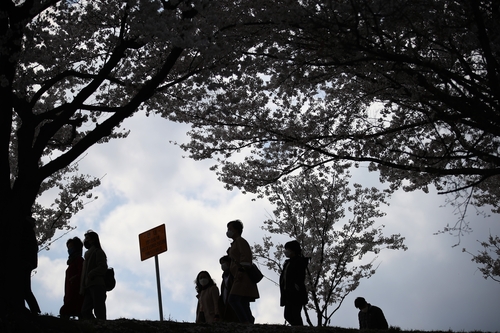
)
(147, 182)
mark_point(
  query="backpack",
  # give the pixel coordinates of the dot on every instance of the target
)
(109, 279)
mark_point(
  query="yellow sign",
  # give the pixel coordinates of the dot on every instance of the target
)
(153, 242)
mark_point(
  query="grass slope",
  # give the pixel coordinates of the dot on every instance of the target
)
(49, 324)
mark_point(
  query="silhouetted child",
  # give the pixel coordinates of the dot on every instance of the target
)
(227, 313)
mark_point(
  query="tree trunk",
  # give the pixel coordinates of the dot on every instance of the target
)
(319, 318)
(11, 289)
(308, 319)
(19, 250)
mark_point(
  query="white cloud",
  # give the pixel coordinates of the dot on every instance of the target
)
(126, 302)
(50, 275)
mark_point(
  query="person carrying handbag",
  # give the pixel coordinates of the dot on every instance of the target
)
(243, 290)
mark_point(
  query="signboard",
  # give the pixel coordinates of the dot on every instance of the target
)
(153, 242)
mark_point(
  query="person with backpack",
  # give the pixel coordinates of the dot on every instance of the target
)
(93, 285)
(292, 285)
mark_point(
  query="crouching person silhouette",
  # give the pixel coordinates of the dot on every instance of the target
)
(370, 316)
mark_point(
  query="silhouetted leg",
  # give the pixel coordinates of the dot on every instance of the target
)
(241, 306)
(88, 305)
(292, 314)
(95, 299)
(99, 302)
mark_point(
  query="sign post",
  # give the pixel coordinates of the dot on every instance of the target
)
(152, 243)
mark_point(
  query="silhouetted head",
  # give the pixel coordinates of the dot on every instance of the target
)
(234, 229)
(360, 303)
(225, 263)
(225, 258)
(74, 245)
(91, 239)
(295, 247)
(203, 281)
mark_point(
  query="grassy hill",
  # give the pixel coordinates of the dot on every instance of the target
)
(49, 324)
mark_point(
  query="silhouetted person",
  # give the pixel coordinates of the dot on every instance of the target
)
(244, 290)
(370, 316)
(92, 283)
(207, 310)
(227, 313)
(292, 285)
(73, 300)
(29, 257)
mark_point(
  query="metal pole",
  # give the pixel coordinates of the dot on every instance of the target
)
(158, 286)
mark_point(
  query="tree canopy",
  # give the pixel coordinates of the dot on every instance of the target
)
(408, 88)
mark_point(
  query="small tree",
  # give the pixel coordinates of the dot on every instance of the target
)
(335, 225)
